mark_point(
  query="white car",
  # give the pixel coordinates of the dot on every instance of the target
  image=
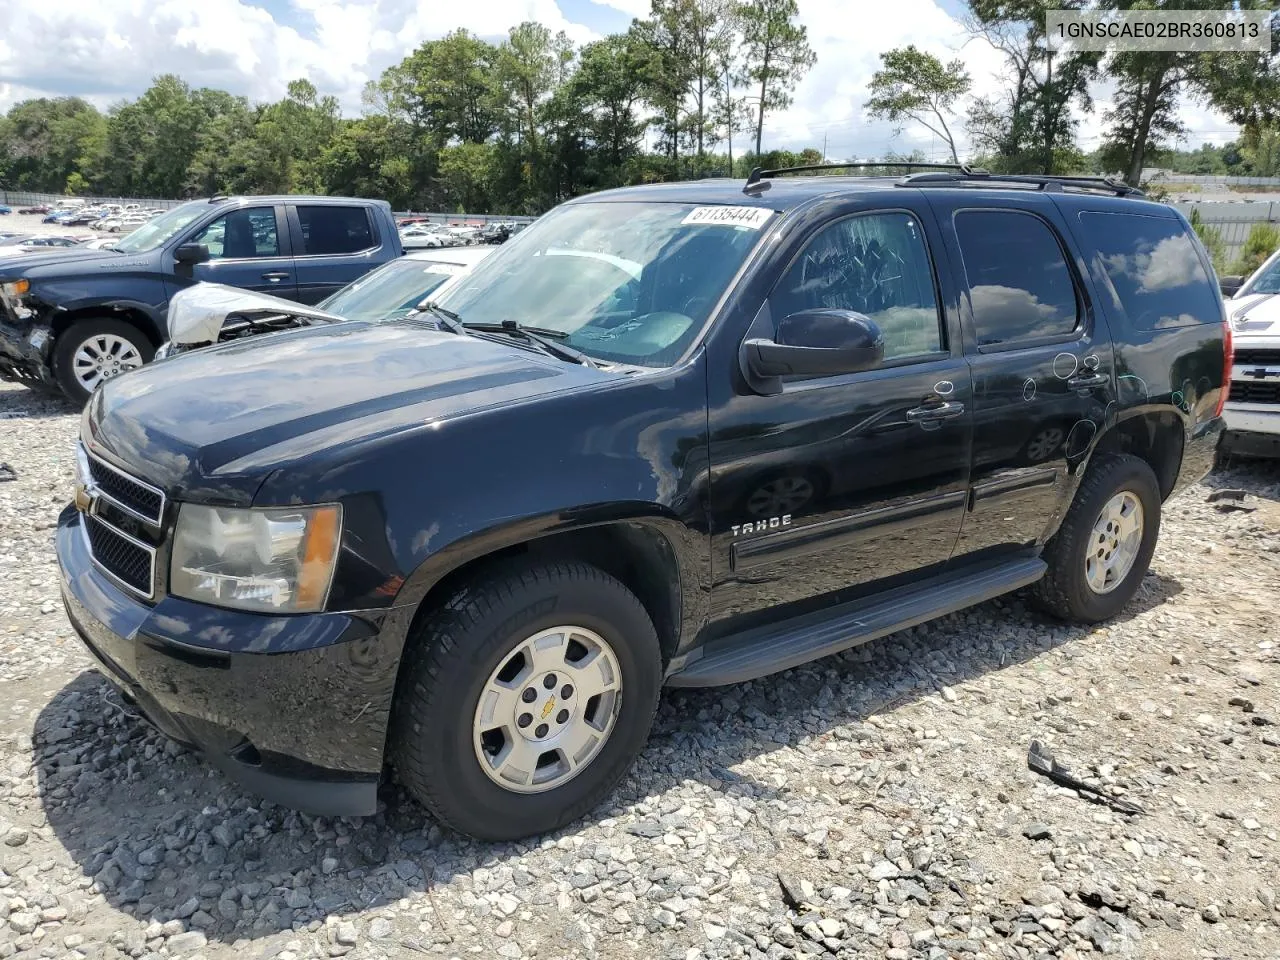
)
(129, 223)
(212, 312)
(1252, 412)
(102, 243)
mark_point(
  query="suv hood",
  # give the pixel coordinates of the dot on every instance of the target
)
(213, 423)
(63, 260)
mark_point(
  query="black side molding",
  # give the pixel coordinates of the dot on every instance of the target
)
(781, 646)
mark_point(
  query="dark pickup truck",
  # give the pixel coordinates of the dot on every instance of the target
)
(74, 318)
(683, 434)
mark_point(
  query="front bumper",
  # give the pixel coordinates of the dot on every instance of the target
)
(294, 708)
(25, 347)
(1253, 429)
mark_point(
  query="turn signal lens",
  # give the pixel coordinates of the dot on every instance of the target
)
(16, 288)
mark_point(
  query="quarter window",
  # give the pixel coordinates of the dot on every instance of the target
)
(330, 230)
(1154, 269)
(876, 265)
(242, 234)
(1019, 283)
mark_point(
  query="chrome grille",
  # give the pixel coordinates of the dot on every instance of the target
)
(1245, 391)
(128, 493)
(117, 541)
(129, 562)
(1257, 357)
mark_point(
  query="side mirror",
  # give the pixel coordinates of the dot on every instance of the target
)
(191, 254)
(1230, 285)
(825, 341)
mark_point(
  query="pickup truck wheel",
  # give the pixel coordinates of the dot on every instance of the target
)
(91, 352)
(1100, 554)
(525, 700)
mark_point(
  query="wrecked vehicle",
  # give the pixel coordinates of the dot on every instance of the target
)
(212, 313)
(72, 319)
(682, 434)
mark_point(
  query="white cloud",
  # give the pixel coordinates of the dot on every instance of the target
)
(106, 50)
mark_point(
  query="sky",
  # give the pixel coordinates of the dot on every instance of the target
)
(106, 50)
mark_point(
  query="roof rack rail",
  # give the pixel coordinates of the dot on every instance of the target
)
(1046, 182)
(758, 174)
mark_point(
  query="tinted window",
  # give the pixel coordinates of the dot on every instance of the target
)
(877, 265)
(242, 234)
(1154, 269)
(1019, 283)
(334, 230)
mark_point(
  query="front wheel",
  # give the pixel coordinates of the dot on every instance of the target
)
(90, 352)
(525, 700)
(1100, 554)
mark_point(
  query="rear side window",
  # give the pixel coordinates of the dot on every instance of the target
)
(1019, 283)
(328, 230)
(1156, 276)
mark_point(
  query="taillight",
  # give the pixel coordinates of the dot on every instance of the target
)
(1228, 357)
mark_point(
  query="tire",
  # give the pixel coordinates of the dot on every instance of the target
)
(83, 334)
(459, 652)
(1066, 591)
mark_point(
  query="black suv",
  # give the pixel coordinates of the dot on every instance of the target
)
(684, 434)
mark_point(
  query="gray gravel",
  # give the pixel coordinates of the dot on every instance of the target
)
(876, 804)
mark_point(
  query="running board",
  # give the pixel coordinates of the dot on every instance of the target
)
(765, 650)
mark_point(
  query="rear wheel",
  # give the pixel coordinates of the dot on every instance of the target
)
(90, 352)
(1103, 549)
(525, 700)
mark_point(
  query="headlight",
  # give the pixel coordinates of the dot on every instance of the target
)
(16, 288)
(277, 560)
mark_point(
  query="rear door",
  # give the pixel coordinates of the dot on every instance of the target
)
(1040, 357)
(333, 244)
(248, 248)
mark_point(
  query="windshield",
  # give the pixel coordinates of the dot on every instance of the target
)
(625, 282)
(391, 290)
(157, 232)
(1267, 280)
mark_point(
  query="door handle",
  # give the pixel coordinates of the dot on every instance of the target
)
(275, 276)
(1089, 382)
(936, 412)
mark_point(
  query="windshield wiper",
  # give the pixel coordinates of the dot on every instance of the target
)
(445, 318)
(542, 336)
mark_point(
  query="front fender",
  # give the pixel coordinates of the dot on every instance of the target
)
(683, 548)
(143, 300)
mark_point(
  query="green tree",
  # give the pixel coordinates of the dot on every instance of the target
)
(915, 85)
(776, 54)
(44, 141)
(1211, 238)
(607, 87)
(1262, 242)
(446, 88)
(1031, 125)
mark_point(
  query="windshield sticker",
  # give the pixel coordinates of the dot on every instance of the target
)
(449, 269)
(751, 218)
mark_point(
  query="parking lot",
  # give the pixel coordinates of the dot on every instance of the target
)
(887, 787)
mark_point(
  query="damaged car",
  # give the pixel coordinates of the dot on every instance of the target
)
(210, 313)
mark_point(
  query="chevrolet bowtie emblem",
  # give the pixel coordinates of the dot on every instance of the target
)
(546, 710)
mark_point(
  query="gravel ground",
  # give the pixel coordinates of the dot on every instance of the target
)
(875, 804)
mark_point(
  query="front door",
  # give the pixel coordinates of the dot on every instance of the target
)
(839, 484)
(1043, 372)
(247, 249)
